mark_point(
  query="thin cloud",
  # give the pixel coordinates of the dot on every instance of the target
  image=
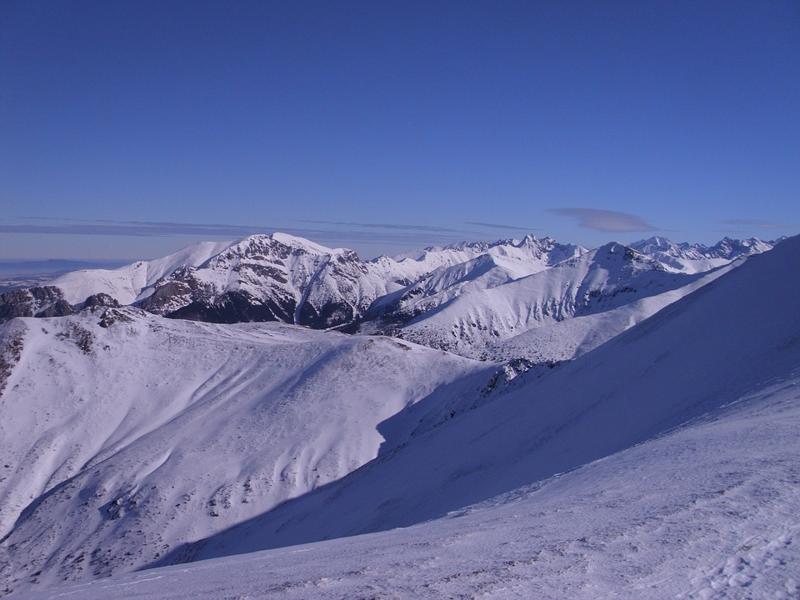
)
(131, 229)
(394, 226)
(373, 239)
(610, 221)
(500, 226)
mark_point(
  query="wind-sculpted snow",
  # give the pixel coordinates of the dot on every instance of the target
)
(729, 339)
(706, 511)
(124, 435)
(129, 440)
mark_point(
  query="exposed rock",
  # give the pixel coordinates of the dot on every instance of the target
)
(100, 300)
(44, 301)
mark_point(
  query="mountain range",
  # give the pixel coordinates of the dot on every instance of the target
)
(509, 419)
(478, 299)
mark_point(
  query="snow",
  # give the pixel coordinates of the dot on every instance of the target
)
(706, 511)
(530, 254)
(283, 277)
(269, 460)
(730, 338)
(128, 284)
(157, 432)
(543, 317)
(696, 258)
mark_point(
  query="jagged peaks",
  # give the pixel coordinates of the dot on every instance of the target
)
(732, 248)
(531, 240)
(727, 247)
(279, 272)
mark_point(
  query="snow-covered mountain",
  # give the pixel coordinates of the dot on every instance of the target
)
(128, 283)
(728, 353)
(495, 265)
(273, 277)
(124, 435)
(525, 256)
(491, 308)
(662, 464)
(44, 301)
(705, 511)
(286, 278)
(696, 258)
(533, 299)
(293, 280)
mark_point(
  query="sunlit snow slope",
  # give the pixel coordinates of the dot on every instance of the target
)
(706, 511)
(126, 284)
(663, 464)
(125, 434)
(554, 314)
(731, 338)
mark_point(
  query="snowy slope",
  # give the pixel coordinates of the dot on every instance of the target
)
(126, 284)
(281, 277)
(124, 434)
(700, 400)
(536, 311)
(707, 511)
(677, 477)
(696, 258)
(498, 265)
(290, 279)
(732, 338)
(530, 254)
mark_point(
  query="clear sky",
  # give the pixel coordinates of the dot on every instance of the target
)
(129, 129)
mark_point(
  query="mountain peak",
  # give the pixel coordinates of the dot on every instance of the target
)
(284, 239)
(299, 242)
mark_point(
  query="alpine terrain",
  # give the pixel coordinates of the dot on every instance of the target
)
(503, 419)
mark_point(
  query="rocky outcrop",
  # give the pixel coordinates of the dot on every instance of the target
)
(44, 301)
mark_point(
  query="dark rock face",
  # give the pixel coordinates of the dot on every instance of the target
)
(100, 300)
(233, 307)
(167, 295)
(45, 301)
(10, 353)
(111, 315)
(331, 314)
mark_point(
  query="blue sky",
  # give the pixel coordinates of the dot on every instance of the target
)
(129, 129)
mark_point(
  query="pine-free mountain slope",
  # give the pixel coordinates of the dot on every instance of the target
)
(128, 283)
(706, 511)
(554, 341)
(736, 339)
(728, 339)
(286, 278)
(501, 263)
(530, 254)
(125, 434)
(696, 258)
(480, 319)
(279, 277)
